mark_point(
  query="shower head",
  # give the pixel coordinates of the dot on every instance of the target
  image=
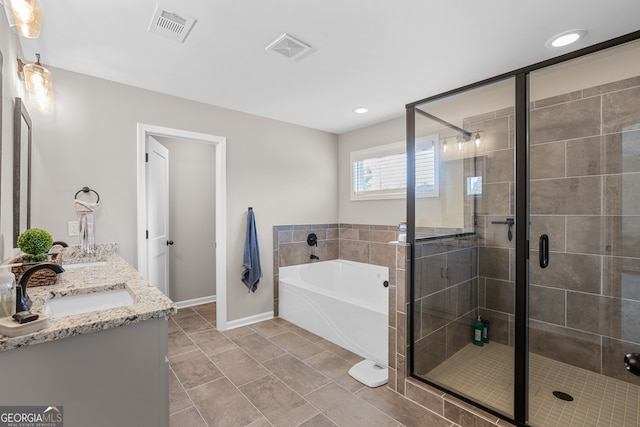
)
(632, 363)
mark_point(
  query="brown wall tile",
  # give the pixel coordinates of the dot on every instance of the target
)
(547, 160)
(499, 166)
(620, 110)
(495, 200)
(547, 304)
(567, 271)
(570, 196)
(353, 250)
(621, 277)
(499, 295)
(553, 226)
(620, 194)
(574, 119)
(575, 348)
(494, 263)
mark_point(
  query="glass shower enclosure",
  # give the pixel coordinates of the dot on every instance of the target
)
(525, 265)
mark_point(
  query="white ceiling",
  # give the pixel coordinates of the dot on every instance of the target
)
(376, 53)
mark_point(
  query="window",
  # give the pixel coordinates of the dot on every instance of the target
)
(381, 172)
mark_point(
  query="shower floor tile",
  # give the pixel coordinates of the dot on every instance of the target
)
(485, 374)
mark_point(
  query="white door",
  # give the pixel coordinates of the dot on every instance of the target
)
(158, 215)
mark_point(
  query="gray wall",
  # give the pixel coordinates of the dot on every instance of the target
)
(192, 204)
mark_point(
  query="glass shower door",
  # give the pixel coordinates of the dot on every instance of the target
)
(584, 283)
(464, 248)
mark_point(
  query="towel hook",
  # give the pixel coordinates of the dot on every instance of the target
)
(86, 190)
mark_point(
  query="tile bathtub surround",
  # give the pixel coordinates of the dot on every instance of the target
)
(371, 244)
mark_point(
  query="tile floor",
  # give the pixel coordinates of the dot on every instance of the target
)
(487, 376)
(272, 373)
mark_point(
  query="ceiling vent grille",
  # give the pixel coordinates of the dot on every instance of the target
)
(173, 25)
(289, 46)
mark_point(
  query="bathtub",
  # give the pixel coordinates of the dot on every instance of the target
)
(344, 302)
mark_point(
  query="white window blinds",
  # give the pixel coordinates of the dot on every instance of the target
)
(381, 172)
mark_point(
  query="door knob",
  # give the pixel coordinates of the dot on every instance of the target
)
(169, 242)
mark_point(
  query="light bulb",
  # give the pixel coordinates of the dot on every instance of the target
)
(460, 143)
(22, 11)
(444, 146)
(477, 140)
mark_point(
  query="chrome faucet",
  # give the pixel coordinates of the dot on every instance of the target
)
(23, 302)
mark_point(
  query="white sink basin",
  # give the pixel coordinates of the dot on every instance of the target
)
(85, 303)
(84, 264)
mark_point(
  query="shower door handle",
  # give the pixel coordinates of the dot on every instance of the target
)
(544, 251)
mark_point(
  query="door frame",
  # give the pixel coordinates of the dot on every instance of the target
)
(145, 130)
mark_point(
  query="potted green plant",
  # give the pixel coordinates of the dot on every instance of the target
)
(35, 243)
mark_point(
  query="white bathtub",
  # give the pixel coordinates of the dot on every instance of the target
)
(344, 302)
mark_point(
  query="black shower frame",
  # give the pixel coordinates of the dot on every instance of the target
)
(521, 309)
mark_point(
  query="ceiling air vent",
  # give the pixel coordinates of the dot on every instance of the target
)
(289, 46)
(173, 25)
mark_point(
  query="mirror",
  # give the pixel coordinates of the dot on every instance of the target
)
(21, 170)
(1, 150)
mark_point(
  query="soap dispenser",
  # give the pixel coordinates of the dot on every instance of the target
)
(7, 292)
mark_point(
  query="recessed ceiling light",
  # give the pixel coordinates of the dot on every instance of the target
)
(565, 38)
(361, 110)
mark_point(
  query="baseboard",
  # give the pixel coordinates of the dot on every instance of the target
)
(195, 301)
(249, 320)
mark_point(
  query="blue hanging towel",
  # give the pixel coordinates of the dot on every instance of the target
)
(251, 269)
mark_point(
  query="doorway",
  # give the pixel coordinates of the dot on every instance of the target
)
(145, 133)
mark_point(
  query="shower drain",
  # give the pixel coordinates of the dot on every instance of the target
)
(563, 396)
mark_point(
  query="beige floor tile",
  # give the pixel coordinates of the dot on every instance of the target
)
(194, 369)
(341, 352)
(403, 410)
(345, 409)
(192, 323)
(172, 326)
(310, 336)
(238, 366)
(279, 404)
(318, 421)
(262, 422)
(208, 311)
(187, 418)
(178, 398)
(296, 345)
(258, 347)
(238, 332)
(301, 377)
(335, 368)
(221, 404)
(183, 312)
(179, 343)
(268, 328)
(212, 342)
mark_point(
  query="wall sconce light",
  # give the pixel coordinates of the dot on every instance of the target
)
(476, 139)
(24, 16)
(37, 79)
(444, 145)
(461, 142)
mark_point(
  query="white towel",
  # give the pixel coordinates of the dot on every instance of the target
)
(85, 222)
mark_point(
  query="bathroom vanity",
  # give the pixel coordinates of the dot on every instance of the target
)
(104, 367)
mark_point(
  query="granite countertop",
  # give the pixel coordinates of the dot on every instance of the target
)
(149, 301)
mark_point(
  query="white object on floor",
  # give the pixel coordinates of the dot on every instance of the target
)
(370, 373)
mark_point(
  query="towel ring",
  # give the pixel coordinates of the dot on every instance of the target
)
(86, 190)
